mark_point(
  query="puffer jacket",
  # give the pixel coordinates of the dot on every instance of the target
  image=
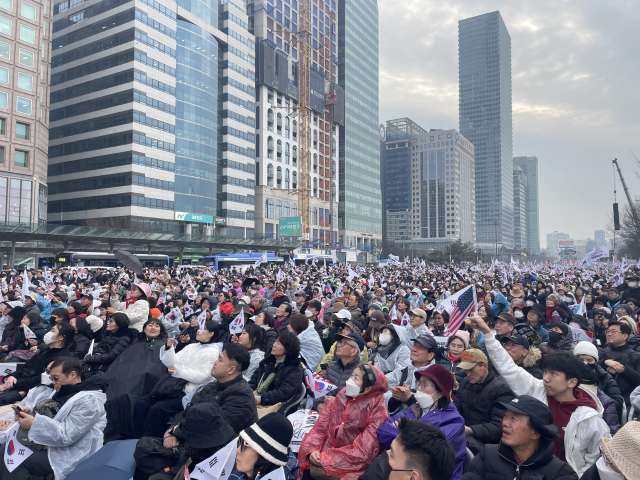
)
(287, 381)
(531, 361)
(584, 432)
(608, 385)
(394, 359)
(630, 378)
(138, 311)
(256, 355)
(338, 374)
(345, 433)
(610, 414)
(112, 345)
(496, 462)
(566, 344)
(193, 363)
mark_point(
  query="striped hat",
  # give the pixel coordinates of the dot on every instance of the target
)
(270, 437)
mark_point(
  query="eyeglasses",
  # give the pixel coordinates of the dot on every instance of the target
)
(110, 321)
(345, 342)
(611, 332)
(423, 384)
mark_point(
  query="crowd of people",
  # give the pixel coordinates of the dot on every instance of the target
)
(326, 371)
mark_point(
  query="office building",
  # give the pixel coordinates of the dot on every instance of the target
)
(438, 194)
(484, 69)
(153, 118)
(519, 209)
(554, 243)
(599, 237)
(25, 49)
(529, 166)
(277, 128)
(360, 205)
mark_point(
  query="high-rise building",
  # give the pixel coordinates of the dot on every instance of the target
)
(277, 127)
(436, 200)
(519, 209)
(153, 117)
(25, 52)
(529, 165)
(599, 237)
(553, 243)
(484, 48)
(360, 206)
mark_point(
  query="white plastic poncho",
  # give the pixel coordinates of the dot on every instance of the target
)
(36, 394)
(74, 434)
(193, 363)
(398, 359)
(311, 348)
(412, 333)
(256, 357)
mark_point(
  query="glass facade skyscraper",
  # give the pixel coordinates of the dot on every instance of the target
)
(360, 205)
(484, 60)
(529, 165)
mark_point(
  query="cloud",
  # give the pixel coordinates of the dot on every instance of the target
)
(575, 94)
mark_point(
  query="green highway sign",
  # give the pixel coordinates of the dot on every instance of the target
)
(290, 227)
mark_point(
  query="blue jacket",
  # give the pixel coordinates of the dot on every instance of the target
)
(447, 420)
(500, 304)
(542, 332)
(47, 308)
(532, 279)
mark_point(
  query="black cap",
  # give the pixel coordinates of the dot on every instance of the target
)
(539, 414)
(427, 342)
(519, 339)
(353, 336)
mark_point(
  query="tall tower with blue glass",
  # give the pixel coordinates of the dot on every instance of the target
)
(153, 115)
(484, 49)
(360, 205)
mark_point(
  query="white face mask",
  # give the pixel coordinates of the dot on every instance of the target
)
(529, 303)
(385, 339)
(308, 314)
(425, 400)
(48, 338)
(351, 389)
(518, 314)
(633, 284)
(45, 379)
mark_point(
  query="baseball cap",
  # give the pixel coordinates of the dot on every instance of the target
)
(377, 317)
(518, 339)
(419, 312)
(507, 317)
(470, 358)
(427, 342)
(344, 313)
(353, 336)
(539, 414)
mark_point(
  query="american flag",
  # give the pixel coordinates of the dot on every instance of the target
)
(463, 302)
(50, 295)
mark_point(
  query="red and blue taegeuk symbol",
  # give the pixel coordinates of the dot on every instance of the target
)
(10, 448)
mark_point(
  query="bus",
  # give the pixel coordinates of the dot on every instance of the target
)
(238, 260)
(100, 259)
(301, 258)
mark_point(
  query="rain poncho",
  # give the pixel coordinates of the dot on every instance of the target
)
(412, 333)
(500, 304)
(74, 434)
(399, 377)
(41, 392)
(256, 357)
(193, 363)
(397, 358)
(345, 432)
(311, 348)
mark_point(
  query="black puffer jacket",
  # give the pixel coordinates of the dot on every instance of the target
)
(630, 378)
(287, 381)
(29, 373)
(112, 345)
(81, 344)
(496, 462)
(476, 404)
(235, 399)
(608, 385)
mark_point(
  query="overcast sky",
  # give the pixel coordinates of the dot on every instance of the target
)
(576, 91)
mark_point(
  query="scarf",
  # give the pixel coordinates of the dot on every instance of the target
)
(130, 301)
(453, 359)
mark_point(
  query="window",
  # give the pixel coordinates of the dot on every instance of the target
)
(314, 216)
(278, 209)
(26, 58)
(42, 50)
(294, 209)
(287, 209)
(268, 208)
(3, 99)
(23, 105)
(28, 10)
(5, 26)
(5, 50)
(21, 158)
(27, 34)
(4, 75)
(286, 179)
(3, 122)
(25, 81)
(6, 4)
(41, 92)
(77, 18)
(22, 130)
(1, 162)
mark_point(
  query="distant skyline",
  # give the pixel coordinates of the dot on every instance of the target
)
(575, 95)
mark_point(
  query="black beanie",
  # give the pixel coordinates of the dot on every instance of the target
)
(270, 437)
(17, 313)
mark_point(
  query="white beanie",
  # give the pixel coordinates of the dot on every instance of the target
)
(586, 348)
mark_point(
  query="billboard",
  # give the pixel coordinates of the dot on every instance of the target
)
(290, 227)
(565, 243)
(193, 217)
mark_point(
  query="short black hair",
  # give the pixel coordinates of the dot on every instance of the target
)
(157, 321)
(290, 343)
(288, 308)
(62, 313)
(426, 449)
(121, 319)
(68, 364)
(316, 305)
(67, 331)
(77, 308)
(267, 319)
(567, 363)
(238, 353)
(625, 329)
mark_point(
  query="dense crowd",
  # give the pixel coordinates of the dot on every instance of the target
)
(500, 371)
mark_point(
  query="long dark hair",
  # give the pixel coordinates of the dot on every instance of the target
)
(256, 335)
(163, 330)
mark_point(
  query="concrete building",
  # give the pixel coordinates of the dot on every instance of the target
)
(520, 209)
(360, 205)
(25, 54)
(153, 118)
(484, 47)
(553, 242)
(529, 165)
(599, 237)
(277, 130)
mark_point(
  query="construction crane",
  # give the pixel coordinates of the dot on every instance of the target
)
(632, 207)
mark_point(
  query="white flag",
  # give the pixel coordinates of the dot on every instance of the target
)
(25, 286)
(202, 318)
(262, 259)
(174, 317)
(352, 274)
(219, 465)
(394, 313)
(28, 334)
(14, 453)
(235, 327)
(277, 474)
(405, 320)
(334, 256)
(90, 351)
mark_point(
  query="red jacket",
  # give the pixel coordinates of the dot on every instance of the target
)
(346, 432)
(227, 308)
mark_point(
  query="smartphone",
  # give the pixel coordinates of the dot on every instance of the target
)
(16, 409)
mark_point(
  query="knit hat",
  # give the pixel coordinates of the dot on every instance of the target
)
(205, 427)
(586, 348)
(622, 450)
(629, 321)
(464, 336)
(439, 375)
(270, 437)
(95, 323)
(17, 313)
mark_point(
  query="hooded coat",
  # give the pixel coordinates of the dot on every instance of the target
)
(75, 433)
(394, 357)
(500, 304)
(193, 363)
(345, 433)
(311, 348)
